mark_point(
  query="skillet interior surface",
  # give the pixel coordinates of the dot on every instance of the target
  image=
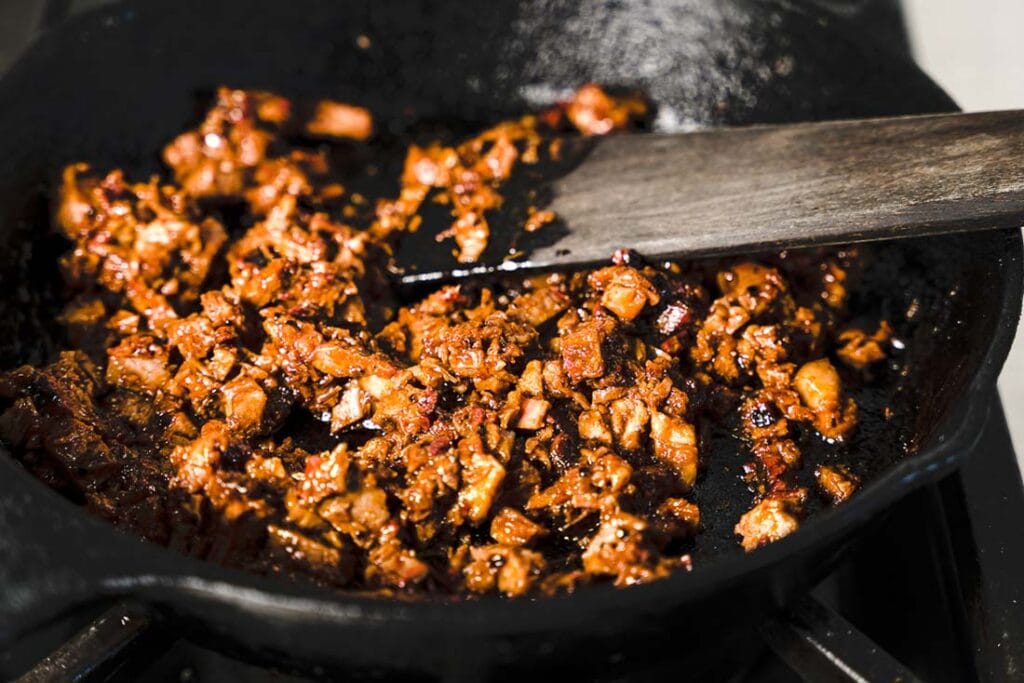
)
(113, 86)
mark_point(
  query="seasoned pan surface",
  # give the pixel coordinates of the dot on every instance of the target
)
(113, 86)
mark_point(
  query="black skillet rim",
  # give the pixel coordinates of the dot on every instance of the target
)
(252, 593)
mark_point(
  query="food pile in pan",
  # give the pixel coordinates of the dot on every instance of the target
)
(242, 384)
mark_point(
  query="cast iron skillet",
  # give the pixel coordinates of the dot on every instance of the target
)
(114, 85)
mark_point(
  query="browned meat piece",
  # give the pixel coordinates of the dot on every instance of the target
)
(539, 306)
(471, 233)
(859, 349)
(752, 286)
(340, 120)
(268, 470)
(835, 483)
(332, 564)
(360, 514)
(509, 570)
(302, 548)
(393, 564)
(833, 285)
(532, 413)
(513, 528)
(353, 405)
(582, 357)
(138, 363)
(675, 442)
(620, 549)
(820, 389)
(538, 219)
(278, 179)
(594, 112)
(86, 321)
(624, 291)
(432, 485)
(482, 475)
(766, 522)
(678, 517)
(244, 403)
(531, 380)
(195, 462)
(818, 384)
(629, 418)
(592, 426)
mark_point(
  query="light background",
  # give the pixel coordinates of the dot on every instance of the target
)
(973, 49)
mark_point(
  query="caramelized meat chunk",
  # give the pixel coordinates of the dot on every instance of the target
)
(820, 390)
(340, 120)
(675, 442)
(620, 549)
(624, 291)
(835, 483)
(859, 349)
(329, 563)
(482, 475)
(582, 357)
(766, 522)
(511, 571)
(593, 111)
(532, 413)
(513, 528)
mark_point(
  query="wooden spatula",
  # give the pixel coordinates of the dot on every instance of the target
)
(770, 187)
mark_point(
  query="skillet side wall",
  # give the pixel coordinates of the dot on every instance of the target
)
(113, 86)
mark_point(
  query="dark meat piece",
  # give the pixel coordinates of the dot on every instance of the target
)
(510, 527)
(55, 410)
(820, 390)
(835, 483)
(675, 442)
(766, 522)
(340, 120)
(511, 571)
(624, 291)
(582, 356)
(859, 349)
(593, 111)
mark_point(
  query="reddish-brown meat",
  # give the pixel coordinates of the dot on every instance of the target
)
(261, 399)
